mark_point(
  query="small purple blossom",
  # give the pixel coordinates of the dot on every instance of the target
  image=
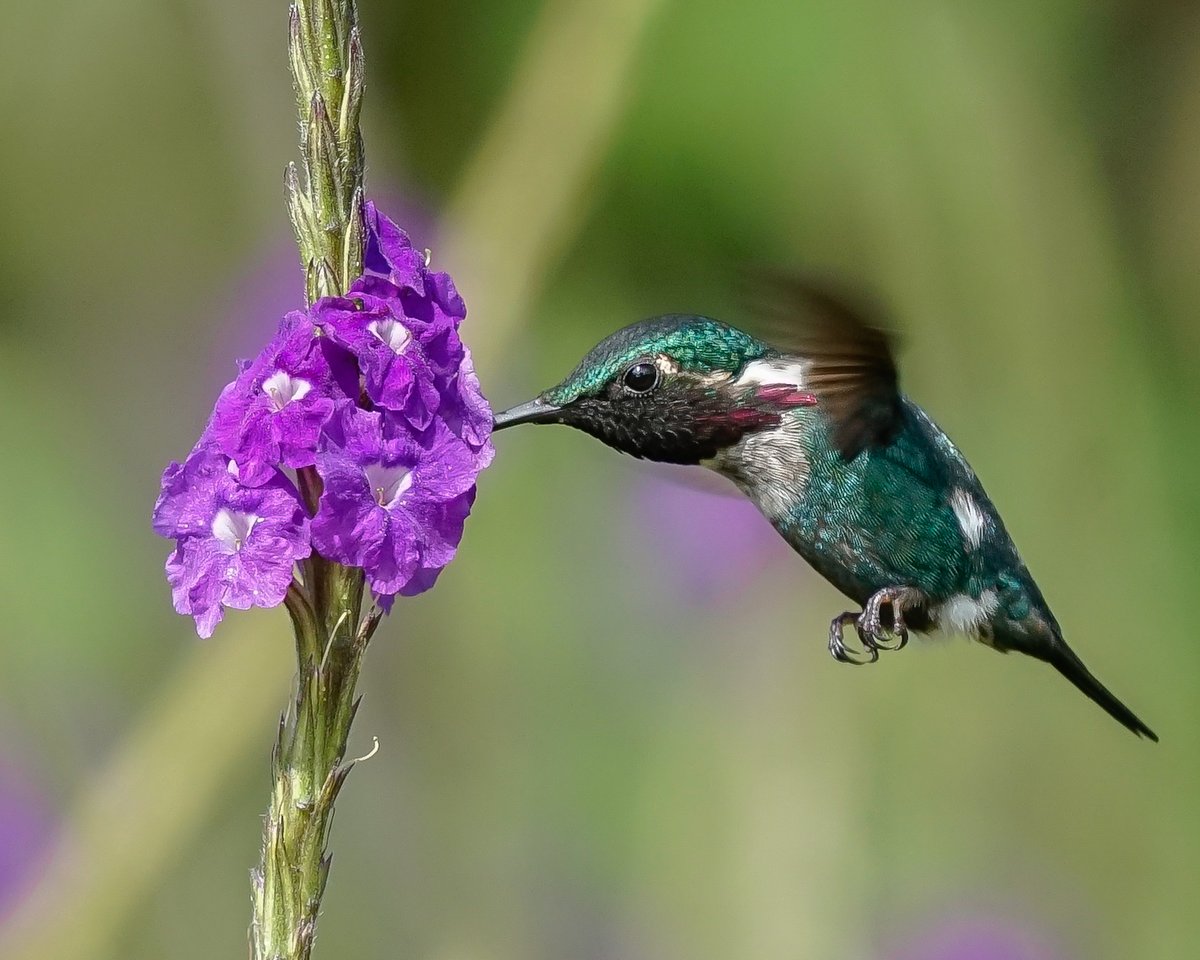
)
(416, 313)
(275, 410)
(394, 269)
(376, 393)
(235, 545)
(394, 501)
(401, 357)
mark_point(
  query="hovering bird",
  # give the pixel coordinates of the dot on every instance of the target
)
(853, 474)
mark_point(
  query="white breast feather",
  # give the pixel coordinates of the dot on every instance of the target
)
(769, 466)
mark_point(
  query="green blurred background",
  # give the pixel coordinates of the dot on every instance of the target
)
(614, 730)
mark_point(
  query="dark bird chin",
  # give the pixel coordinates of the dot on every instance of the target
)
(681, 430)
(684, 421)
(535, 411)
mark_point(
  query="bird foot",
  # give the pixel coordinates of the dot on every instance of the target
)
(873, 633)
(837, 643)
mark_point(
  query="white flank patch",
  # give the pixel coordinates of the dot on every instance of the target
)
(971, 520)
(963, 614)
(780, 370)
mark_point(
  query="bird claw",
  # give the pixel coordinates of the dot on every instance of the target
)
(873, 633)
(841, 651)
(871, 622)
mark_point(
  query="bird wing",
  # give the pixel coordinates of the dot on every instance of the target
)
(850, 366)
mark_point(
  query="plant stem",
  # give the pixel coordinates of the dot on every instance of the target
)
(308, 759)
(325, 52)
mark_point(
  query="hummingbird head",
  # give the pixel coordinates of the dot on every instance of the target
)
(672, 389)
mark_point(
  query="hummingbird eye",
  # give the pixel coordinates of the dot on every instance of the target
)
(642, 377)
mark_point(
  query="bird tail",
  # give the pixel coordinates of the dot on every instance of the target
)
(1043, 640)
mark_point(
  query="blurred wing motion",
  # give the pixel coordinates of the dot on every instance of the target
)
(851, 369)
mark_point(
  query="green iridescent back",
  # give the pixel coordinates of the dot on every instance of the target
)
(885, 517)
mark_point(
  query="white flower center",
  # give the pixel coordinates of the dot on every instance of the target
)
(388, 483)
(391, 332)
(232, 528)
(282, 389)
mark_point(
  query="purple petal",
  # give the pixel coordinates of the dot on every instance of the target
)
(274, 414)
(236, 545)
(187, 500)
(445, 294)
(393, 561)
(390, 349)
(349, 523)
(423, 579)
(447, 467)
(443, 525)
(394, 502)
(443, 528)
(467, 412)
(389, 252)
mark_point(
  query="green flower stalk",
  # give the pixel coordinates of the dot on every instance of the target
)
(326, 57)
(308, 765)
(336, 471)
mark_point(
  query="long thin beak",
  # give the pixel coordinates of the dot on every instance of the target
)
(535, 411)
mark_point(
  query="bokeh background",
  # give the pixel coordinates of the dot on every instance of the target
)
(613, 730)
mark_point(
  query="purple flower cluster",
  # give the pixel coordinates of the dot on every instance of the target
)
(376, 393)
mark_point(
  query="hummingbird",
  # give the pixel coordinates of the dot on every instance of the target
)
(854, 475)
